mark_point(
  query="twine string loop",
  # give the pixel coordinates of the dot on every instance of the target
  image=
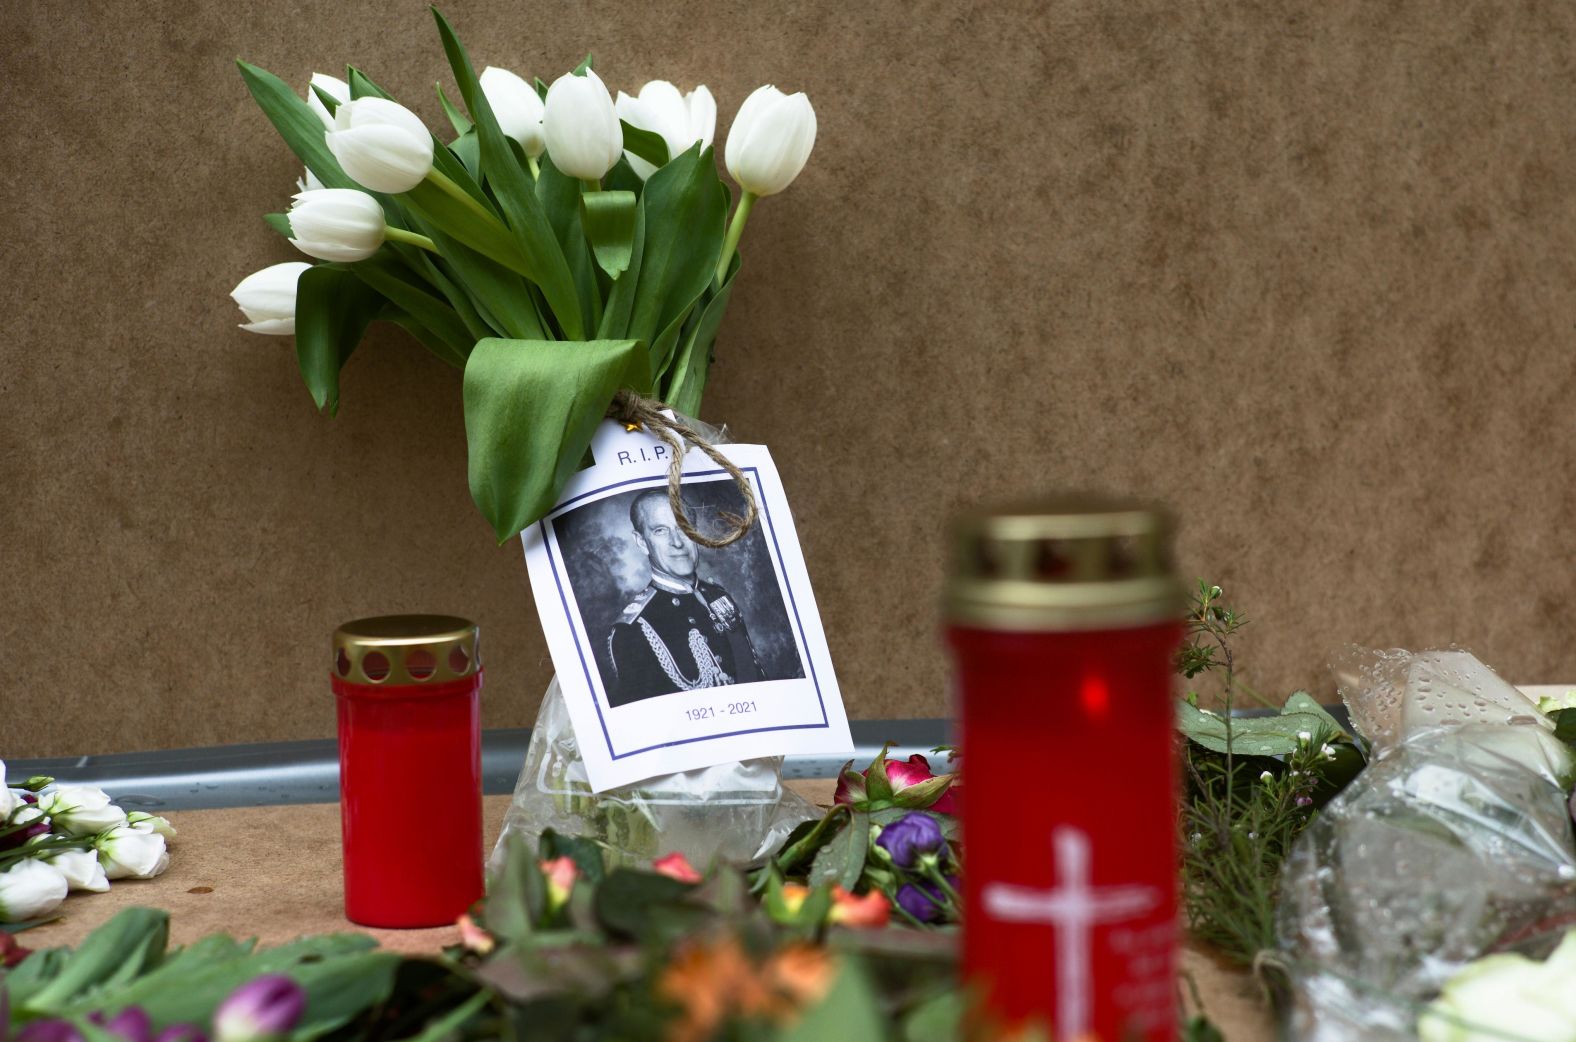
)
(632, 410)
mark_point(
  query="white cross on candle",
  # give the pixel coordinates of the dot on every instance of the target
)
(1073, 909)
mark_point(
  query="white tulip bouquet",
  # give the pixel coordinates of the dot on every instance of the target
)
(562, 247)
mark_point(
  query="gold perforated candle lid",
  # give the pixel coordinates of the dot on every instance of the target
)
(392, 650)
(1074, 563)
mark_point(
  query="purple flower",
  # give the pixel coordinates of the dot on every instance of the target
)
(181, 1033)
(910, 837)
(131, 1024)
(49, 1031)
(924, 901)
(264, 1007)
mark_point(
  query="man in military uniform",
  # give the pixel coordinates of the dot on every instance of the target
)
(681, 632)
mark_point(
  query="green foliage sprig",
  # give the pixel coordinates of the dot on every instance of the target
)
(1252, 784)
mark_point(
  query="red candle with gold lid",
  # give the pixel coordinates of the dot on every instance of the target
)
(410, 787)
(1063, 620)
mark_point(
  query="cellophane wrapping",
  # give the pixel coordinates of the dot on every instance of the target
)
(1455, 842)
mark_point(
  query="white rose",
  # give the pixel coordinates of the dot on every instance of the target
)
(29, 889)
(126, 852)
(81, 810)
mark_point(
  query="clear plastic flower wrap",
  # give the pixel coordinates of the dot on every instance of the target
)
(1456, 841)
(739, 812)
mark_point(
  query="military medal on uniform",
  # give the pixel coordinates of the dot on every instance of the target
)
(674, 655)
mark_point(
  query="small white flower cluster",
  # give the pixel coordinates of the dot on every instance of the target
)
(59, 838)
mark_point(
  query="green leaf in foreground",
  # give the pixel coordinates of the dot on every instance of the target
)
(1252, 735)
(531, 407)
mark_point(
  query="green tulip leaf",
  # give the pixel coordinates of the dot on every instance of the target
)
(647, 144)
(622, 178)
(301, 128)
(490, 238)
(333, 310)
(548, 267)
(382, 273)
(585, 63)
(541, 88)
(621, 299)
(559, 196)
(501, 297)
(467, 148)
(608, 219)
(435, 271)
(691, 365)
(280, 223)
(531, 408)
(457, 119)
(330, 102)
(685, 217)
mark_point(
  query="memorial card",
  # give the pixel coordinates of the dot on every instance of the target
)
(673, 655)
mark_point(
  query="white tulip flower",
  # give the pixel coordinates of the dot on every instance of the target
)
(335, 88)
(681, 119)
(336, 224)
(382, 145)
(517, 107)
(581, 127)
(80, 868)
(145, 822)
(29, 889)
(127, 852)
(81, 810)
(770, 140)
(268, 298)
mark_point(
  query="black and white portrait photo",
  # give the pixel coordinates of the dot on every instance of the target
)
(664, 614)
(671, 654)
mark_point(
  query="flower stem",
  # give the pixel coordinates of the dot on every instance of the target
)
(591, 184)
(735, 230)
(459, 194)
(413, 238)
(933, 873)
(536, 168)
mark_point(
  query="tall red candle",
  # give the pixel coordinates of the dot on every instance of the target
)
(1063, 621)
(409, 768)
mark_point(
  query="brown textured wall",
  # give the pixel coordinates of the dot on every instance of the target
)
(1303, 269)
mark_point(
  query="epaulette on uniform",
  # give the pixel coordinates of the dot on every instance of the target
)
(636, 606)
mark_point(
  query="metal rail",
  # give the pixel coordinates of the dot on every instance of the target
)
(265, 773)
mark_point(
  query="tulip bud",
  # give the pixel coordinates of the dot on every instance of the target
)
(561, 874)
(382, 145)
(676, 866)
(268, 298)
(770, 140)
(127, 853)
(336, 224)
(145, 822)
(80, 868)
(81, 810)
(265, 1007)
(335, 88)
(517, 107)
(581, 126)
(681, 119)
(28, 889)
